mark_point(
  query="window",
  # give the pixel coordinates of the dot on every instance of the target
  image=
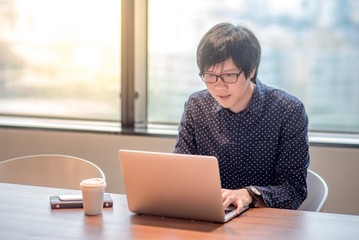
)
(60, 59)
(309, 48)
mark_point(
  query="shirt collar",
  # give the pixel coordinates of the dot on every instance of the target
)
(256, 103)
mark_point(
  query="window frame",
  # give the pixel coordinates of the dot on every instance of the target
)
(133, 81)
(127, 64)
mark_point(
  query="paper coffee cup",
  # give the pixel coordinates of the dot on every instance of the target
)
(93, 190)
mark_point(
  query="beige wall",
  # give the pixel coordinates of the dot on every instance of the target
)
(338, 166)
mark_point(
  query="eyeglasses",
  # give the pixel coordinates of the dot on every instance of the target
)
(228, 78)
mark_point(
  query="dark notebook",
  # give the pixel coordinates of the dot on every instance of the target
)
(57, 203)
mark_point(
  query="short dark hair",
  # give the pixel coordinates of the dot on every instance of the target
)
(224, 41)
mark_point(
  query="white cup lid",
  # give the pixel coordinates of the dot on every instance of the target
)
(93, 182)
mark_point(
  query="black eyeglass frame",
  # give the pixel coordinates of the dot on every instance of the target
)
(220, 76)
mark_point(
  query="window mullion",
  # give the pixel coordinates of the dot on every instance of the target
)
(127, 65)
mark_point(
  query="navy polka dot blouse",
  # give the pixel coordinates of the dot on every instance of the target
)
(266, 145)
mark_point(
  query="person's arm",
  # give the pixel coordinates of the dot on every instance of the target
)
(289, 189)
(186, 143)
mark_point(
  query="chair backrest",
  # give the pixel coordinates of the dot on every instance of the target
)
(317, 193)
(48, 170)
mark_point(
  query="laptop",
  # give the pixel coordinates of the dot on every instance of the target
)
(174, 185)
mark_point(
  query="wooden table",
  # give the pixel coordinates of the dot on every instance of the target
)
(25, 213)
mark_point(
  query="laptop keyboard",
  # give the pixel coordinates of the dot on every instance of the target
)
(227, 210)
(230, 209)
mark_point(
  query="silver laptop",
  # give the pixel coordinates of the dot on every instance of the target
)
(174, 185)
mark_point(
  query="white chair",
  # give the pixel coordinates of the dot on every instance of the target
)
(317, 193)
(50, 170)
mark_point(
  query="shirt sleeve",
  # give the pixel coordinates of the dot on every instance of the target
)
(290, 188)
(186, 143)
